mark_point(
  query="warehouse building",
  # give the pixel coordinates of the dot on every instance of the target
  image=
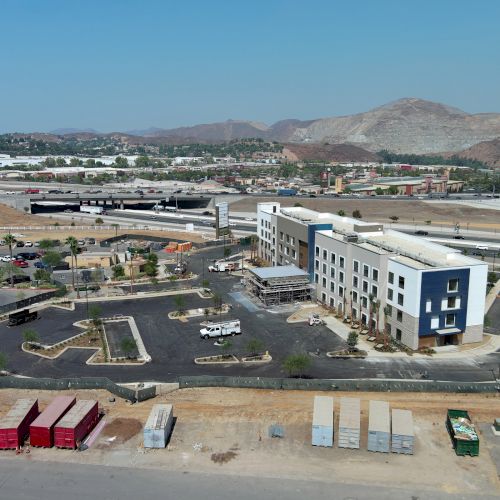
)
(420, 293)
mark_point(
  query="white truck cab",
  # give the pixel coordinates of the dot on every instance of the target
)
(221, 329)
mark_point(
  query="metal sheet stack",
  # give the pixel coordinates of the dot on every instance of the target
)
(158, 426)
(402, 432)
(379, 427)
(322, 426)
(349, 423)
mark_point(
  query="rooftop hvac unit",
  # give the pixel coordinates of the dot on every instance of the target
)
(351, 238)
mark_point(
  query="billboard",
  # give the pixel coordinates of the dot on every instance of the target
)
(221, 218)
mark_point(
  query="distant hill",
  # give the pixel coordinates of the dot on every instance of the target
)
(66, 131)
(328, 152)
(488, 152)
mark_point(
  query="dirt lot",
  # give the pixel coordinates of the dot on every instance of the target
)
(11, 217)
(380, 210)
(226, 431)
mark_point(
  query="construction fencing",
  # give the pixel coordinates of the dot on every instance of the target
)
(19, 304)
(366, 385)
(67, 384)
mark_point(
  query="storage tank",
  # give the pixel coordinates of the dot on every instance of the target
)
(322, 426)
(379, 427)
(402, 432)
(70, 431)
(158, 426)
(14, 426)
(349, 423)
(42, 429)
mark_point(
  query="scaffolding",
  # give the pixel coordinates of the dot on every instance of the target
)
(279, 285)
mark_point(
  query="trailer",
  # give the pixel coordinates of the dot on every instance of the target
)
(322, 425)
(463, 433)
(379, 427)
(42, 429)
(20, 317)
(91, 209)
(14, 426)
(403, 435)
(158, 426)
(349, 423)
(70, 431)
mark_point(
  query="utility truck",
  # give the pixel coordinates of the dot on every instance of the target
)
(224, 267)
(221, 329)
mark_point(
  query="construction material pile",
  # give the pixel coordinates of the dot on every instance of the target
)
(464, 429)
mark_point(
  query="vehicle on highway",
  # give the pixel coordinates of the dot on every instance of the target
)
(31, 191)
(249, 218)
(459, 237)
(221, 329)
(421, 233)
(89, 209)
(54, 191)
(68, 211)
(20, 263)
(481, 247)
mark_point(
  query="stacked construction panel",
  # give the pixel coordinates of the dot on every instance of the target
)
(322, 426)
(349, 423)
(402, 432)
(379, 427)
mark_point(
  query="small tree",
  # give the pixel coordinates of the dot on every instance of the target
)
(150, 269)
(46, 244)
(30, 336)
(205, 284)
(227, 251)
(95, 312)
(492, 277)
(217, 302)
(180, 303)
(118, 271)
(297, 204)
(99, 221)
(42, 275)
(254, 346)
(226, 347)
(153, 258)
(128, 344)
(356, 214)
(428, 222)
(341, 213)
(296, 364)
(394, 218)
(3, 361)
(352, 339)
(52, 258)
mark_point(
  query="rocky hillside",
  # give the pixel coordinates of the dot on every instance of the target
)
(488, 152)
(328, 152)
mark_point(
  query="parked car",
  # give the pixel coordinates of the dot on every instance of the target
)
(81, 242)
(27, 255)
(459, 237)
(20, 263)
(41, 265)
(19, 243)
(17, 278)
(7, 258)
(421, 233)
(90, 241)
(28, 244)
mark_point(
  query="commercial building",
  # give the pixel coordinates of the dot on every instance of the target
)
(420, 293)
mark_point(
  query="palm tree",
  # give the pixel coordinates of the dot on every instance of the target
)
(386, 311)
(10, 240)
(72, 242)
(350, 298)
(370, 314)
(376, 308)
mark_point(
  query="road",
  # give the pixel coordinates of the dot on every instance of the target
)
(21, 479)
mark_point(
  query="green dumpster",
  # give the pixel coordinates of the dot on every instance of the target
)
(463, 433)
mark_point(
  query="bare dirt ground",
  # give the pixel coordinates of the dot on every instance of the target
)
(221, 430)
(11, 217)
(409, 212)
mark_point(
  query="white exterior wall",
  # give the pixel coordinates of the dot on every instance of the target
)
(476, 295)
(266, 220)
(411, 291)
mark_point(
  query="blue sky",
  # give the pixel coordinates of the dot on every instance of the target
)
(123, 64)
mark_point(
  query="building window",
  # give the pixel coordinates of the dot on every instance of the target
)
(323, 281)
(388, 310)
(365, 286)
(453, 285)
(317, 251)
(292, 240)
(294, 254)
(391, 278)
(324, 268)
(399, 335)
(366, 271)
(281, 235)
(316, 278)
(332, 258)
(399, 315)
(452, 302)
(450, 319)
(354, 313)
(400, 299)
(434, 322)
(323, 297)
(332, 286)
(355, 266)
(287, 251)
(341, 277)
(325, 255)
(332, 272)
(316, 265)
(401, 282)
(390, 294)
(375, 290)
(341, 262)
(341, 291)
(355, 281)
(332, 302)
(388, 329)
(281, 247)
(428, 305)
(364, 319)
(375, 274)
(274, 230)
(354, 296)
(288, 238)
(364, 301)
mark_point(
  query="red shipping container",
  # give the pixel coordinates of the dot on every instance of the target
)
(42, 429)
(76, 424)
(14, 426)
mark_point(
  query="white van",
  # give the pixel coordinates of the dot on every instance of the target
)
(481, 247)
(221, 329)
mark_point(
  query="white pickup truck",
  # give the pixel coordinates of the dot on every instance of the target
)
(221, 329)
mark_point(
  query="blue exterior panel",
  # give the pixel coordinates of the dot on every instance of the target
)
(311, 244)
(435, 288)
